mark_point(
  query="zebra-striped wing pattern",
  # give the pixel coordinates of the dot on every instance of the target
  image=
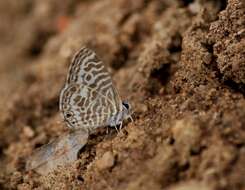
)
(89, 98)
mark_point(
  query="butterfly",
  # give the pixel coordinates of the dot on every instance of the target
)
(89, 99)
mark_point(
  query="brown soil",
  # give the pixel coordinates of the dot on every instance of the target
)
(180, 63)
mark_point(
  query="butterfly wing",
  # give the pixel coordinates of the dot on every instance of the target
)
(89, 98)
(84, 107)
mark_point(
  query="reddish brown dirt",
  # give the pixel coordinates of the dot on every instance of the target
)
(180, 63)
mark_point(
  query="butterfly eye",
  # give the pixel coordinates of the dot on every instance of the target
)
(126, 105)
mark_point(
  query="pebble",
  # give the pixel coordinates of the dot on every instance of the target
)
(106, 161)
(28, 132)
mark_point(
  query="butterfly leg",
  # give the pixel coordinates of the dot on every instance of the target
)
(116, 129)
(120, 126)
(131, 119)
(90, 129)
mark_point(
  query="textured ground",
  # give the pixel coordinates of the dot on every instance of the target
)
(180, 63)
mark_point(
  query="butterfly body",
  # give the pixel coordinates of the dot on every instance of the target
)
(89, 98)
(118, 118)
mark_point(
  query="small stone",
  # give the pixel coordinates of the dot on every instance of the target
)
(60, 152)
(106, 161)
(162, 91)
(28, 132)
(195, 7)
(143, 108)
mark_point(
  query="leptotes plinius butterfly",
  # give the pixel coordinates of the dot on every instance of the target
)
(89, 98)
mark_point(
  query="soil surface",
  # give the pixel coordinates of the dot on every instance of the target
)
(181, 65)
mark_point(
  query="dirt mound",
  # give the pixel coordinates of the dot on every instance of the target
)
(179, 63)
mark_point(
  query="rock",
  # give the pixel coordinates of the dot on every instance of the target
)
(59, 152)
(28, 132)
(106, 161)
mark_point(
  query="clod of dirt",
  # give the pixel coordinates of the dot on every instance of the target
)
(186, 136)
(106, 161)
(28, 132)
(227, 36)
(217, 159)
(191, 185)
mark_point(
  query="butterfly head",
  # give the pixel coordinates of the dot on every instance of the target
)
(126, 109)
